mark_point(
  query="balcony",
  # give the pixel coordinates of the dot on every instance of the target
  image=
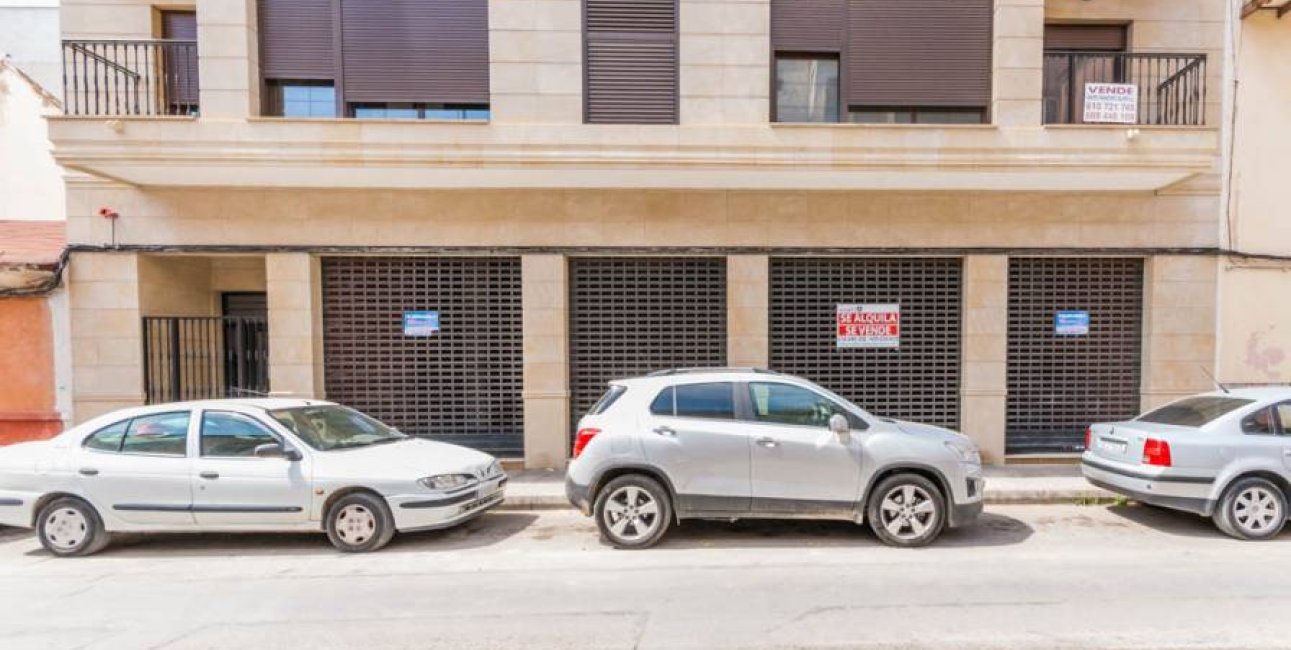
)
(1156, 89)
(130, 77)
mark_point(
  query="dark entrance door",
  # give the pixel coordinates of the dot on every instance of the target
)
(179, 61)
(246, 343)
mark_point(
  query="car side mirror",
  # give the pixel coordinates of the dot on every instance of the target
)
(839, 425)
(276, 450)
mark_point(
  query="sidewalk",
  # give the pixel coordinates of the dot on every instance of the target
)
(1007, 484)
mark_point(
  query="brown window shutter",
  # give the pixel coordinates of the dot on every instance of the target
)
(179, 62)
(434, 51)
(1102, 38)
(630, 59)
(808, 25)
(297, 39)
(919, 53)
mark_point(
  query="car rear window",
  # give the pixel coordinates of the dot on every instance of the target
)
(713, 401)
(1194, 411)
(607, 400)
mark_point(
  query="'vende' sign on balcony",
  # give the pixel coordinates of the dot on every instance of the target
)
(1111, 103)
(869, 326)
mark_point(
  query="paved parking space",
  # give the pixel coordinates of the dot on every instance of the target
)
(1026, 576)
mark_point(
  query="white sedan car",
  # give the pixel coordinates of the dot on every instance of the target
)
(239, 466)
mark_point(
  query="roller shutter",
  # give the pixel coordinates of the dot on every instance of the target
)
(296, 39)
(918, 381)
(630, 61)
(808, 25)
(1059, 384)
(462, 385)
(630, 316)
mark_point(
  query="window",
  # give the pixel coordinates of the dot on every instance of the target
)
(335, 427)
(415, 111)
(285, 98)
(164, 434)
(1194, 411)
(1284, 417)
(786, 404)
(608, 399)
(1262, 422)
(806, 88)
(706, 401)
(232, 435)
(108, 438)
(916, 116)
(715, 401)
(630, 62)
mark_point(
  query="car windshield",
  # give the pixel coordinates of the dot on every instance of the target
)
(328, 427)
(1194, 411)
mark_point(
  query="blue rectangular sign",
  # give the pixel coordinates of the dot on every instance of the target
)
(1071, 323)
(420, 323)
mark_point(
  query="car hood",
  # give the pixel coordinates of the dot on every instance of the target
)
(411, 459)
(930, 431)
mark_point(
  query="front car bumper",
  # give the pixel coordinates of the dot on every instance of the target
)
(1168, 490)
(416, 512)
(17, 508)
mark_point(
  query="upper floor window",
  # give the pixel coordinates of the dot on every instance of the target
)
(876, 61)
(384, 58)
(287, 98)
(630, 61)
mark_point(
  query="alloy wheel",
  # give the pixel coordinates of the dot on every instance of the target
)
(1256, 510)
(355, 524)
(66, 528)
(907, 512)
(631, 513)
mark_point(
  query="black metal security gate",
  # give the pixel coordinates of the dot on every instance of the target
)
(919, 380)
(633, 315)
(461, 384)
(1060, 383)
(204, 357)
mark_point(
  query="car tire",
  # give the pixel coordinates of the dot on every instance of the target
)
(360, 522)
(906, 510)
(633, 512)
(70, 527)
(1252, 509)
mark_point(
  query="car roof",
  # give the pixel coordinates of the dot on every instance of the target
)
(698, 375)
(1258, 393)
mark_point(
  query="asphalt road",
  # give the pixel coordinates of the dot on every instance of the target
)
(1025, 577)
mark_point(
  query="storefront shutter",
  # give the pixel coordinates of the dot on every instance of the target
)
(630, 61)
(1101, 38)
(919, 53)
(434, 51)
(808, 25)
(296, 39)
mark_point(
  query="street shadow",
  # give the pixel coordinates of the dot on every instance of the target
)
(483, 531)
(989, 530)
(1175, 522)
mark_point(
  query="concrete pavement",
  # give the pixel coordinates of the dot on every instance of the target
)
(1025, 577)
(1013, 484)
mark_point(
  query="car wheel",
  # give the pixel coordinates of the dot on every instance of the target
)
(633, 512)
(359, 523)
(907, 510)
(70, 527)
(1252, 508)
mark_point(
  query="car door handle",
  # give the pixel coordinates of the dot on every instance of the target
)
(209, 475)
(666, 431)
(89, 471)
(769, 443)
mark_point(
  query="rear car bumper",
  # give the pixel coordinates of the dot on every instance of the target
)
(1175, 491)
(579, 496)
(430, 512)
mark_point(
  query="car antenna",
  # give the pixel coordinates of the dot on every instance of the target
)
(1213, 380)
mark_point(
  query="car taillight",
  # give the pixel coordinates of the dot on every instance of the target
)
(1089, 437)
(583, 437)
(1156, 452)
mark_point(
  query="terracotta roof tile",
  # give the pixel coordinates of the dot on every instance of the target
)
(35, 243)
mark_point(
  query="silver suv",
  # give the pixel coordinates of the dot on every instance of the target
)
(745, 443)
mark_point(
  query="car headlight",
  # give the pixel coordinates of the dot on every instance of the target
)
(494, 469)
(966, 451)
(446, 481)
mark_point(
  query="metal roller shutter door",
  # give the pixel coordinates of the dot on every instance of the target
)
(1058, 385)
(462, 385)
(634, 315)
(920, 380)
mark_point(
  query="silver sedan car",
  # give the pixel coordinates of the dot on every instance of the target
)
(1224, 455)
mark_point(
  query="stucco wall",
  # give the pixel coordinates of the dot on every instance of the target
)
(27, 402)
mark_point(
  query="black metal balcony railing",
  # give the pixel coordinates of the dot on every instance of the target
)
(112, 77)
(1171, 87)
